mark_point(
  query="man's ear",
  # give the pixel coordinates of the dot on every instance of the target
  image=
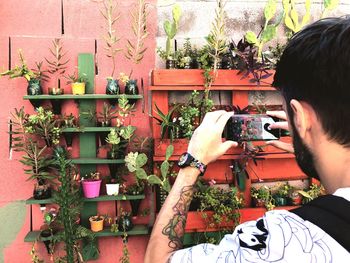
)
(301, 117)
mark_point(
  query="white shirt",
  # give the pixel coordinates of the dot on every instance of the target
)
(279, 236)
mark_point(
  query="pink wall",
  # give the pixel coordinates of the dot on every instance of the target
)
(31, 26)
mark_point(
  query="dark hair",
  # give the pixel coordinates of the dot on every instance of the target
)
(315, 68)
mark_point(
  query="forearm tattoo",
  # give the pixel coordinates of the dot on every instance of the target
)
(176, 227)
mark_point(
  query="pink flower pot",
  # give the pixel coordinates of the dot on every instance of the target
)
(91, 189)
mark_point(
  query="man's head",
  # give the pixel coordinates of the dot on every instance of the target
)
(313, 75)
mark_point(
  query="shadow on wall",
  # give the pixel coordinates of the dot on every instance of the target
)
(12, 218)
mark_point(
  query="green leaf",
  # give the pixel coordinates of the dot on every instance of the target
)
(141, 160)
(176, 13)
(269, 33)
(330, 4)
(169, 151)
(167, 27)
(166, 185)
(141, 174)
(251, 37)
(270, 10)
(289, 23)
(164, 169)
(153, 179)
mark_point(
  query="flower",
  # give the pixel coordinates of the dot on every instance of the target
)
(123, 78)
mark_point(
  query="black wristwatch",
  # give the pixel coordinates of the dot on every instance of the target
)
(187, 159)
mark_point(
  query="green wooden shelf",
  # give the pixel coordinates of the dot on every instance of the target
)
(102, 198)
(89, 129)
(79, 97)
(97, 161)
(137, 230)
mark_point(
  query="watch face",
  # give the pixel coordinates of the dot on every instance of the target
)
(183, 159)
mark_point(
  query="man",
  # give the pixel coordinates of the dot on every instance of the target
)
(313, 75)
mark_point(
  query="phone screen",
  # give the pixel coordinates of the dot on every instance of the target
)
(251, 128)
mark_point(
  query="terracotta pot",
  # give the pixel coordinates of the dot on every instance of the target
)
(96, 225)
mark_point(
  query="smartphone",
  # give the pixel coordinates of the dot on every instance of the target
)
(246, 127)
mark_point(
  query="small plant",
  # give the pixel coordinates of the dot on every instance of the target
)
(22, 71)
(283, 190)
(136, 161)
(57, 64)
(224, 203)
(75, 78)
(291, 16)
(268, 31)
(166, 122)
(44, 124)
(69, 121)
(263, 196)
(136, 50)
(171, 28)
(111, 39)
(93, 176)
(118, 139)
(313, 192)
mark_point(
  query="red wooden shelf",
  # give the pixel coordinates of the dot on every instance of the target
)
(193, 77)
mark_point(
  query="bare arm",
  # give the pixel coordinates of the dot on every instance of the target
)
(205, 145)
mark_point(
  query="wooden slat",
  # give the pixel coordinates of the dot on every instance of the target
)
(79, 97)
(195, 77)
(196, 87)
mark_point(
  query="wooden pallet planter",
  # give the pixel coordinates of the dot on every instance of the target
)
(192, 77)
(196, 223)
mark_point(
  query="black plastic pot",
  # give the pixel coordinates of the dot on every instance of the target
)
(42, 192)
(170, 64)
(125, 223)
(34, 88)
(103, 135)
(135, 205)
(56, 104)
(46, 233)
(68, 137)
(131, 88)
(112, 88)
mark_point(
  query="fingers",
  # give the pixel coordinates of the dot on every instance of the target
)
(227, 145)
(279, 114)
(282, 145)
(212, 117)
(221, 122)
(280, 125)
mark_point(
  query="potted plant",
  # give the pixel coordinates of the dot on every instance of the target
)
(48, 230)
(57, 67)
(118, 139)
(313, 192)
(91, 185)
(170, 29)
(96, 223)
(33, 77)
(111, 16)
(124, 221)
(282, 194)
(137, 188)
(78, 83)
(69, 121)
(44, 124)
(295, 198)
(35, 158)
(104, 119)
(130, 86)
(262, 197)
(112, 186)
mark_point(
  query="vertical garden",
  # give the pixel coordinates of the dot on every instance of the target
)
(100, 99)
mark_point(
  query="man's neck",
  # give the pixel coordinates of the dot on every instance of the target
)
(333, 165)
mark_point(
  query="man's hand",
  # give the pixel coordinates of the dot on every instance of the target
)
(206, 144)
(280, 125)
